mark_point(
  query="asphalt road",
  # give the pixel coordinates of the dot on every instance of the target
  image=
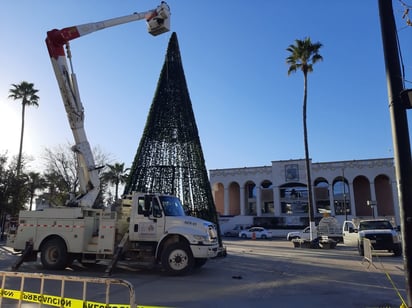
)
(260, 273)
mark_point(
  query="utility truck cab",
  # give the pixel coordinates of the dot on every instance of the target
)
(159, 218)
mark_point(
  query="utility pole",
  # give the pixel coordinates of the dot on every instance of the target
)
(400, 135)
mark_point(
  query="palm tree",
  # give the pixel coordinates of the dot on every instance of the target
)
(36, 181)
(27, 94)
(116, 175)
(303, 55)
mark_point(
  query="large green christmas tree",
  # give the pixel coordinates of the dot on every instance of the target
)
(169, 158)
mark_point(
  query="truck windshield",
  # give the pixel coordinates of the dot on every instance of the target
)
(373, 225)
(172, 206)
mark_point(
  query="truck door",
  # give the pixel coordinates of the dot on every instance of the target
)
(146, 219)
(350, 234)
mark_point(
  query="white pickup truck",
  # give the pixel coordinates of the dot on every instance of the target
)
(303, 234)
(380, 232)
(328, 226)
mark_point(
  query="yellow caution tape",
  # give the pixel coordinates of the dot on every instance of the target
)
(10, 294)
(403, 303)
(57, 301)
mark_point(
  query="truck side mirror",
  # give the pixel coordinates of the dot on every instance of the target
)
(186, 209)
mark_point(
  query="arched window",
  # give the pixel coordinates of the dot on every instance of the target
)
(267, 205)
(341, 197)
(250, 192)
(322, 200)
(294, 198)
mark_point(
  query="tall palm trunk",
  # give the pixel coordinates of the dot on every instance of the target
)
(308, 175)
(31, 201)
(117, 189)
(21, 139)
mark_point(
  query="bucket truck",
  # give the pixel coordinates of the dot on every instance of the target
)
(148, 229)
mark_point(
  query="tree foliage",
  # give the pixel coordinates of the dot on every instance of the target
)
(13, 188)
(62, 176)
(35, 182)
(52, 186)
(116, 174)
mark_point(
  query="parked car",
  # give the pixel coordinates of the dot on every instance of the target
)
(235, 231)
(303, 234)
(256, 232)
(231, 233)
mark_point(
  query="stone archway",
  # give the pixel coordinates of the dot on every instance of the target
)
(384, 196)
(219, 195)
(362, 193)
(234, 198)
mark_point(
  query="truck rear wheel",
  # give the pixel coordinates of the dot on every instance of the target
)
(54, 254)
(177, 259)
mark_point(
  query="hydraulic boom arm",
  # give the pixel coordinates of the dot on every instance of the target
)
(158, 22)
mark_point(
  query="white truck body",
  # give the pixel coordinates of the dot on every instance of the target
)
(147, 227)
(328, 226)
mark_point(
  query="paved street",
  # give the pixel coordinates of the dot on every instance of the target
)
(263, 273)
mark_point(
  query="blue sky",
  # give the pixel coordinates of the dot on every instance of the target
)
(248, 111)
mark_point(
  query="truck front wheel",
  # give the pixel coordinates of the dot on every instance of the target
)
(54, 254)
(397, 251)
(177, 259)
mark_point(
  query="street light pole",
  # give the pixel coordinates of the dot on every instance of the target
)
(372, 205)
(400, 135)
(344, 194)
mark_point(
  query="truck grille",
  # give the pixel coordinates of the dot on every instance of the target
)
(380, 241)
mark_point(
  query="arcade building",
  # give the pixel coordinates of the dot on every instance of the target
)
(276, 196)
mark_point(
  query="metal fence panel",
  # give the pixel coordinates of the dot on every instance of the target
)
(64, 291)
(367, 250)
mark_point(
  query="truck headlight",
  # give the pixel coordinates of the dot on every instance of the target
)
(396, 238)
(204, 239)
(201, 238)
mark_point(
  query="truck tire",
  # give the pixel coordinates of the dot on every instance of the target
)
(397, 251)
(177, 259)
(54, 254)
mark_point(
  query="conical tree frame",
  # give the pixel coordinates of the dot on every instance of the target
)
(169, 158)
